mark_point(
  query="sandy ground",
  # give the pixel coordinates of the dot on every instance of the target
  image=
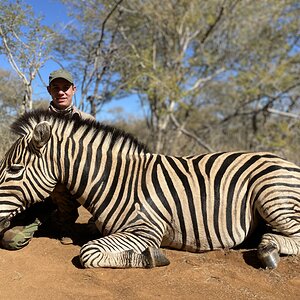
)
(45, 269)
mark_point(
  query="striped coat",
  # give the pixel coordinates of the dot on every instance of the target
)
(142, 201)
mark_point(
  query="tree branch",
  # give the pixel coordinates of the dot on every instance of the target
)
(212, 26)
(283, 113)
(132, 47)
(201, 81)
(11, 58)
(190, 134)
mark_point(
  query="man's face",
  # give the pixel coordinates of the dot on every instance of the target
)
(61, 91)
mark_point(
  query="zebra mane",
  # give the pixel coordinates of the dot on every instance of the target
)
(26, 123)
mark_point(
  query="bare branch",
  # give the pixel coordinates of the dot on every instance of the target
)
(132, 47)
(201, 81)
(11, 58)
(105, 20)
(98, 49)
(19, 40)
(212, 26)
(190, 134)
(283, 113)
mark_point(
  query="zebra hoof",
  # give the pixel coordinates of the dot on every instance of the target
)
(155, 258)
(269, 256)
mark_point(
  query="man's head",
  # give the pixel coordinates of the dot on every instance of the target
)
(61, 88)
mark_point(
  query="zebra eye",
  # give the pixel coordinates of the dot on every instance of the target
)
(14, 169)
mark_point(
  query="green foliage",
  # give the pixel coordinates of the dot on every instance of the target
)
(10, 99)
(204, 70)
(24, 34)
(232, 58)
(11, 94)
(277, 136)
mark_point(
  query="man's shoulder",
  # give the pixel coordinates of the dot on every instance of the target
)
(82, 114)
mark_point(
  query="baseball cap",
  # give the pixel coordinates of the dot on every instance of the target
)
(61, 73)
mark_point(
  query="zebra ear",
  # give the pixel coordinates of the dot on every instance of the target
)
(41, 134)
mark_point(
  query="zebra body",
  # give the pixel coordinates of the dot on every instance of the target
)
(142, 201)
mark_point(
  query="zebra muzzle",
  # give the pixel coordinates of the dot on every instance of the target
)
(4, 224)
(5, 221)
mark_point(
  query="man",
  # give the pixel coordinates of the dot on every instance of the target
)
(61, 89)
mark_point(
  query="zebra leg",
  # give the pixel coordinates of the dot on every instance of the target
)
(273, 244)
(284, 220)
(108, 253)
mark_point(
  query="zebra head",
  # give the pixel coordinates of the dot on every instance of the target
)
(24, 177)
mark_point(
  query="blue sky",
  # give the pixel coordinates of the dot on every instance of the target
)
(55, 12)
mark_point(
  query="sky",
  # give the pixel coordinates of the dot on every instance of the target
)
(54, 12)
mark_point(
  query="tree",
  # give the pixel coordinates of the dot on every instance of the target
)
(25, 43)
(10, 99)
(10, 94)
(91, 51)
(228, 57)
(211, 71)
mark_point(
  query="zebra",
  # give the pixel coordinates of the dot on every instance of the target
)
(142, 201)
